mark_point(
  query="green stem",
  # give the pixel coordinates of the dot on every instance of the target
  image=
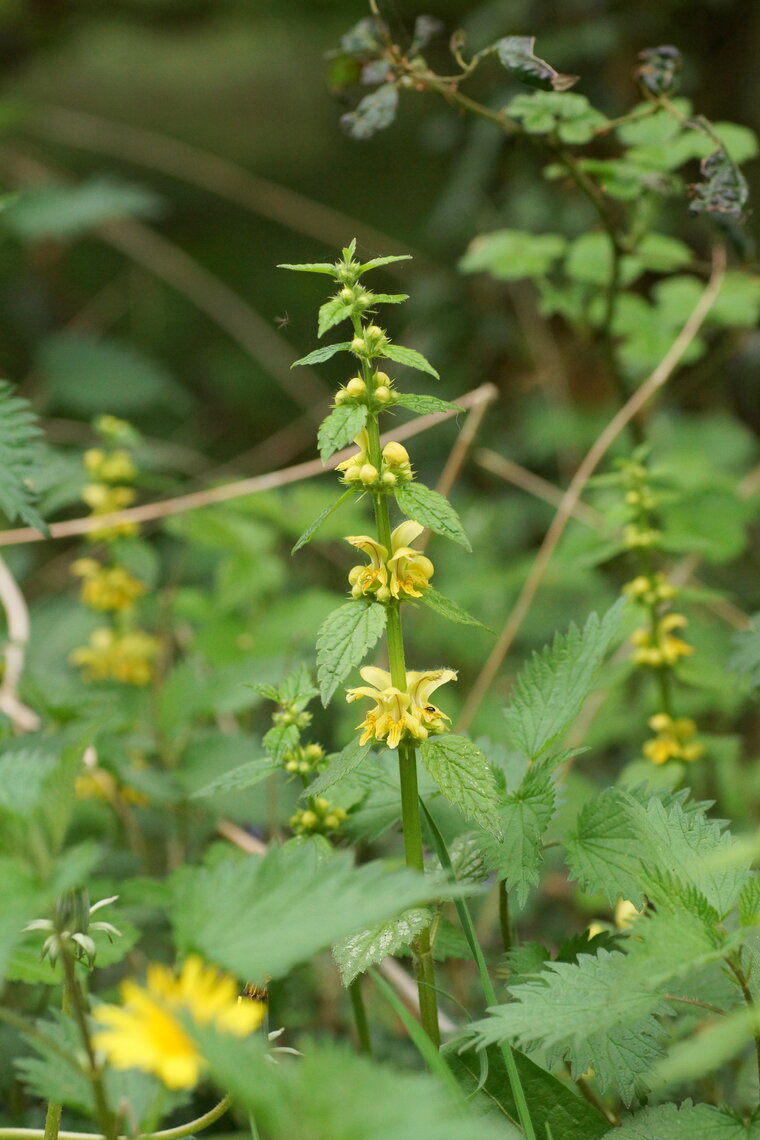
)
(108, 1120)
(504, 920)
(175, 1133)
(54, 1109)
(360, 1016)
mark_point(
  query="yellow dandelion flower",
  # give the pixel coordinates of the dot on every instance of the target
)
(148, 1031)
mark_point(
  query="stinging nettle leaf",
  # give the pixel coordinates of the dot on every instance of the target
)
(343, 639)
(356, 954)
(552, 687)
(280, 739)
(340, 427)
(525, 816)
(321, 354)
(410, 357)
(389, 298)
(462, 773)
(424, 405)
(448, 609)
(517, 55)
(376, 262)
(432, 510)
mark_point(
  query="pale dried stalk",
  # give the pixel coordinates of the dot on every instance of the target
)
(571, 497)
(13, 602)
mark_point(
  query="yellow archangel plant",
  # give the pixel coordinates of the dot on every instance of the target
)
(396, 573)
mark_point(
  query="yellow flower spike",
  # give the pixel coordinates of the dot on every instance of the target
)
(148, 1033)
(105, 588)
(127, 658)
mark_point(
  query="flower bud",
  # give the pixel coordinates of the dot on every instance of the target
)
(359, 346)
(368, 474)
(383, 394)
(389, 479)
(382, 379)
(346, 294)
(356, 386)
(352, 473)
(340, 397)
(395, 454)
(383, 594)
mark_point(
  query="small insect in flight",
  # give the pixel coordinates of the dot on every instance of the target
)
(282, 322)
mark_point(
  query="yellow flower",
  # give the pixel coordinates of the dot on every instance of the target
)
(405, 574)
(410, 570)
(105, 588)
(127, 657)
(397, 714)
(148, 1033)
(112, 466)
(352, 466)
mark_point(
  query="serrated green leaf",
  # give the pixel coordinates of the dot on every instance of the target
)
(321, 354)
(67, 211)
(517, 56)
(448, 609)
(618, 838)
(311, 267)
(356, 954)
(18, 459)
(281, 738)
(553, 1104)
(285, 908)
(376, 262)
(340, 766)
(314, 526)
(343, 639)
(681, 1122)
(746, 656)
(243, 776)
(389, 298)
(332, 313)
(462, 773)
(552, 687)
(296, 689)
(432, 510)
(375, 112)
(524, 816)
(340, 427)
(22, 901)
(424, 405)
(410, 357)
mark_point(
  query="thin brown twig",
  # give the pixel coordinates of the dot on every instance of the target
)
(149, 512)
(596, 452)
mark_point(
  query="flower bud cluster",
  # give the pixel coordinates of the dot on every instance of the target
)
(395, 466)
(673, 740)
(319, 818)
(69, 929)
(379, 395)
(119, 652)
(304, 759)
